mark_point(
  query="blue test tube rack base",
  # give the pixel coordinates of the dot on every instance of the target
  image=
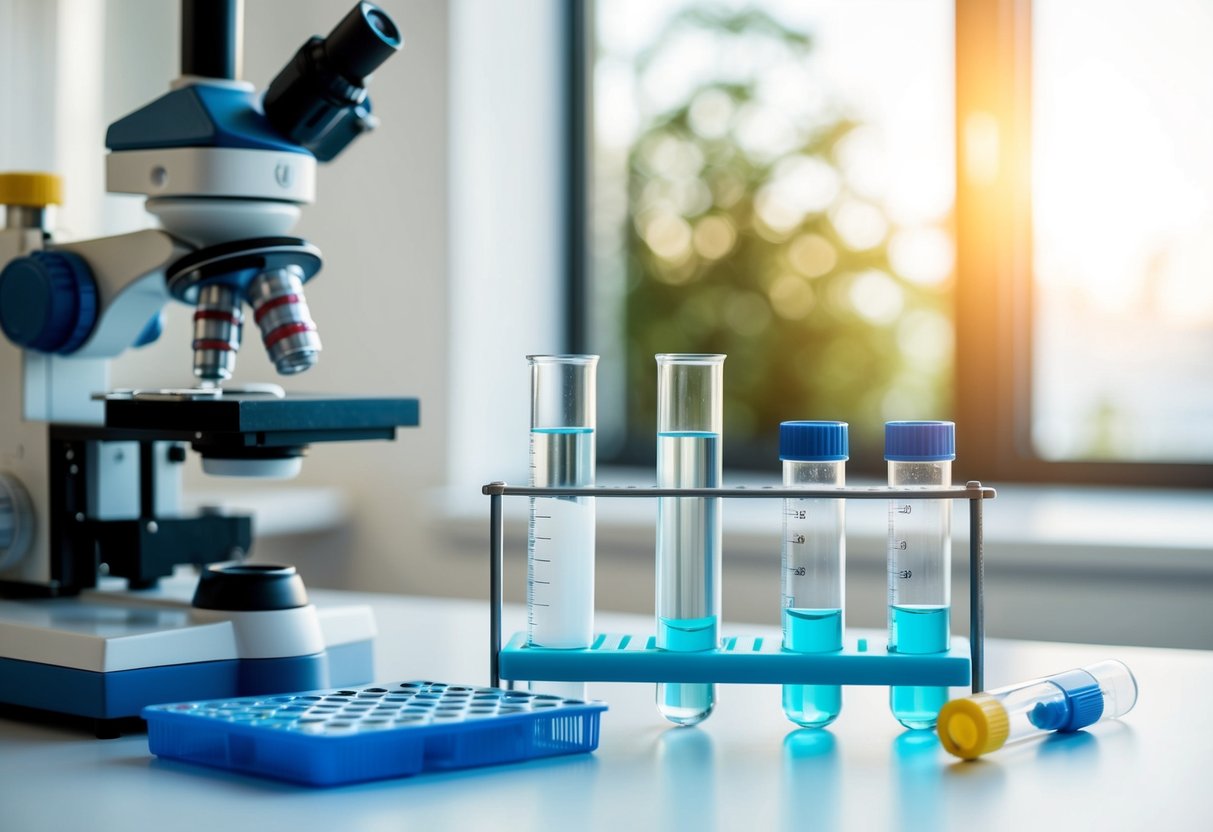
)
(741, 659)
(615, 657)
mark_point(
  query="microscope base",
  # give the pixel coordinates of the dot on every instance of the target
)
(106, 657)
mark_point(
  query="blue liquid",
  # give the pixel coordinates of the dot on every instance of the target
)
(812, 631)
(687, 704)
(918, 630)
(688, 635)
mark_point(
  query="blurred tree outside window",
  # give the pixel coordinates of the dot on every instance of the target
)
(773, 181)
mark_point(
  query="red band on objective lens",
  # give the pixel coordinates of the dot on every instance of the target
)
(273, 303)
(213, 344)
(286, 331)
(216, 315)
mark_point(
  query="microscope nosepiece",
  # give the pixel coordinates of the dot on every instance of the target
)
(218, 321)
(286, 324)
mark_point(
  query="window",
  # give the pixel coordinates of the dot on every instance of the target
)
(773, 181)
(1122, 224)
(1084, 319)
(838, 196)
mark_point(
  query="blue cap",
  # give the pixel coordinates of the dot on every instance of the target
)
(1083, 696)
(919, 441)
(813, 441)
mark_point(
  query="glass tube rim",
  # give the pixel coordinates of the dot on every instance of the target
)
(702, 358)
(564, 358)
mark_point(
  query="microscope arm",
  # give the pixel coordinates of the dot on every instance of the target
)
(128, 271)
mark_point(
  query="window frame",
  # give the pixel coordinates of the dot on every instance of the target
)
(578, 35)
(993, 291)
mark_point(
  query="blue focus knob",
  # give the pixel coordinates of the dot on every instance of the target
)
(48, 301)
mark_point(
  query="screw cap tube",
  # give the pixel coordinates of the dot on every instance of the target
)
(1062, 703)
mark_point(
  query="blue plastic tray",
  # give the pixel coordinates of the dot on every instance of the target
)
(331, 737)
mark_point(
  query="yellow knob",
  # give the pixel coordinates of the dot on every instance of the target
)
(31, 190)
(973, 726)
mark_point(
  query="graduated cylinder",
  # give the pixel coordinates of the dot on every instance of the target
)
(690, 404)
(560, 543)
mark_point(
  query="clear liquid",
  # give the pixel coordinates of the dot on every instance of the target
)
(918, 630)
(812, 631)
(560, 549)
(688, 564)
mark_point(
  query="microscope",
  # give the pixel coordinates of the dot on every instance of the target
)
(91, 515)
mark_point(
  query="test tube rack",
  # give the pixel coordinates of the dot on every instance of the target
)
(745, 660)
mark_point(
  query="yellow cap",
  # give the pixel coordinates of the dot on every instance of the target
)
(973, 726)
(32, 190)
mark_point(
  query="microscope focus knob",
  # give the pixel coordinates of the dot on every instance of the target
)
(48, 301)
(16, 521)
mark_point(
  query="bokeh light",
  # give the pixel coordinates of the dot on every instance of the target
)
(765, 183)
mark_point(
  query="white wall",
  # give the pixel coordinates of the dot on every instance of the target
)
(507, 247)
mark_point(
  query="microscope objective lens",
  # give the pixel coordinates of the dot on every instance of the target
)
(286, 324)
(218, 321)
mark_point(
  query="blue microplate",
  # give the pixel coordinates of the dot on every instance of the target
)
(349, 735)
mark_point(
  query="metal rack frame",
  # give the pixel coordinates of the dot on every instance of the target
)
(973, 491)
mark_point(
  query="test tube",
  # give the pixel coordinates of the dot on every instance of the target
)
(689, 423)
(920, 455)
(814, 555)
(560, 543)
(1063, 702)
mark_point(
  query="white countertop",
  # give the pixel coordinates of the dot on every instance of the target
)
(744, 768)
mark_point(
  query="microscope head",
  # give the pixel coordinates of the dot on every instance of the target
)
(227, 172)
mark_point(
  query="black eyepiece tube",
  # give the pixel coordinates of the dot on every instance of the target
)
(319, 100)
(364, 39)
(211, 36)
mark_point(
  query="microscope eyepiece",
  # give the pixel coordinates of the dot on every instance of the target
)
(361, 42)
(319, 99)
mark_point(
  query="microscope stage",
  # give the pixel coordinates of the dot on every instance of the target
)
(296, 419)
